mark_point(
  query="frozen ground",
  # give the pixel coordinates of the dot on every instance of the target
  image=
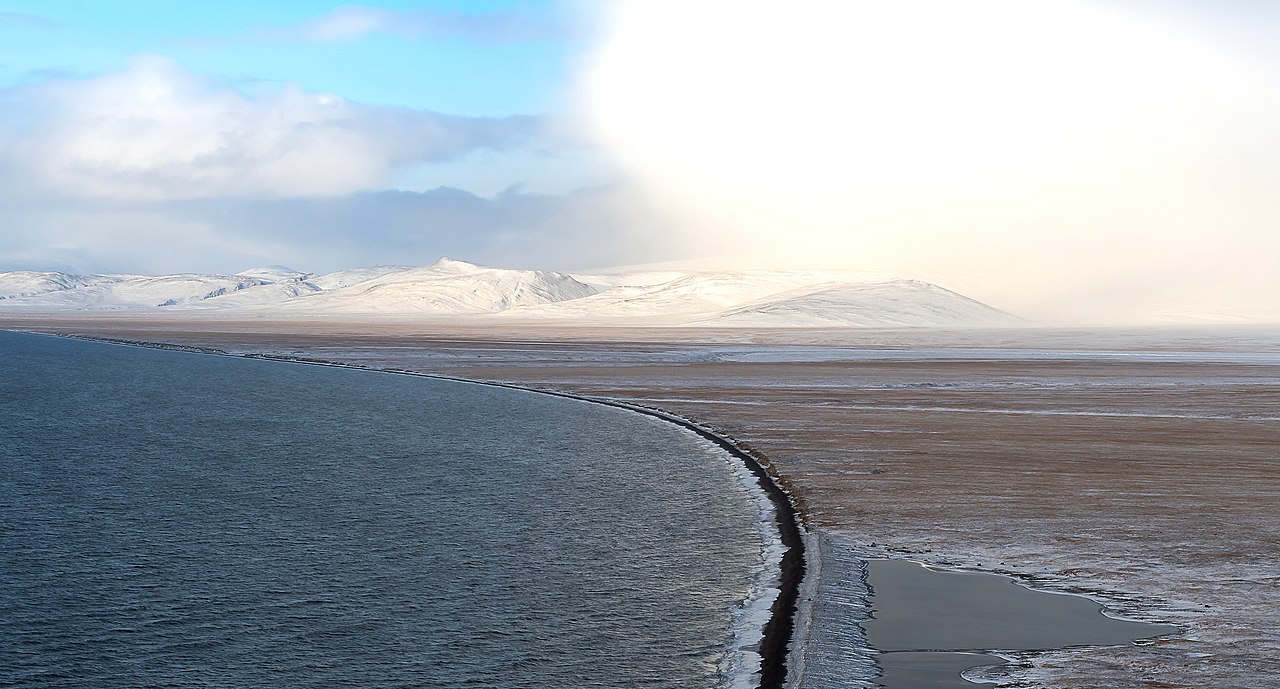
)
(1140, 468)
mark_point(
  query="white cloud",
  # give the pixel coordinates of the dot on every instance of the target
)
(156, 169)
(157, 131)
(350, 22)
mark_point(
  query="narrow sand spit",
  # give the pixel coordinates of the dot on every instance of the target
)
(1139, 468)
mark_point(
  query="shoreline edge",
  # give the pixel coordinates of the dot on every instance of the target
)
(779, 631)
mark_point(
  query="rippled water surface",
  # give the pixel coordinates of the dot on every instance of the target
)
(180, 520)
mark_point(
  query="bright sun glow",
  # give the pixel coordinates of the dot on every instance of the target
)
(873, 97)
(879, 132)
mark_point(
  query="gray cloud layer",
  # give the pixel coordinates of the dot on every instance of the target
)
(603, 226)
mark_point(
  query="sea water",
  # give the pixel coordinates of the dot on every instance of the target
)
(170, 519)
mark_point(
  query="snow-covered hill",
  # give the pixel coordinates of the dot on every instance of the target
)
(767, 298)
(444, 287)
(676, 297)
(22, 284)
(274, 273)
(127, 292)
(887, 303)
(456, 289)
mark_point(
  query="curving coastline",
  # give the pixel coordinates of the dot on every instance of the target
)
(779, 630)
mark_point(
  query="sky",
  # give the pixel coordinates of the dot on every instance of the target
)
(1067, 160)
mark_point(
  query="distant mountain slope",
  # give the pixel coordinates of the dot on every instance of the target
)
(445, 287)
(671, 297)
(273, 273)
(131, 292)
(457, 289)
(263, 295)
(20, 284)
(908, 303)
(764, 298)
(354, 276)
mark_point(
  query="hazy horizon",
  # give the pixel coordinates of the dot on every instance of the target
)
(1068, 161)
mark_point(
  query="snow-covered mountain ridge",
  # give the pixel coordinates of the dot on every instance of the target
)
(457, 289)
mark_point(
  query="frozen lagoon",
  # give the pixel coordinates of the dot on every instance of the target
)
(928, 625)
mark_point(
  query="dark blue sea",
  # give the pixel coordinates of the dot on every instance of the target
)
(170, 519)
